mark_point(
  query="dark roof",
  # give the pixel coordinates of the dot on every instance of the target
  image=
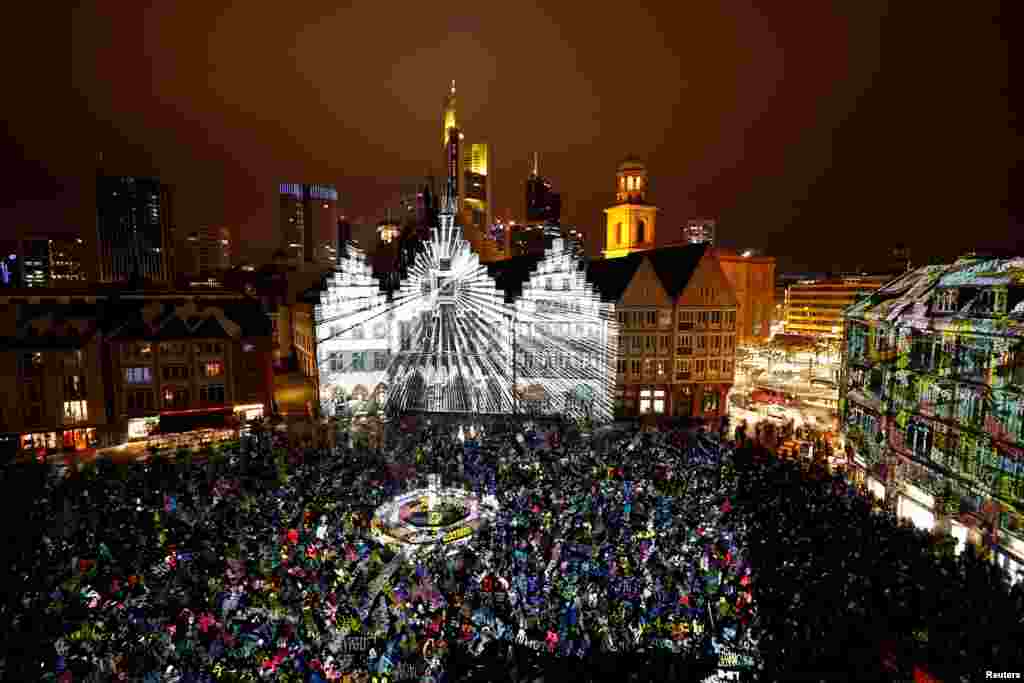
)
(173, 328)
(510, 274)
(674, 266)
(133, 327)
(612, 276)
(210, 327)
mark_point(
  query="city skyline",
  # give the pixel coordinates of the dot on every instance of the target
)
(781, 136)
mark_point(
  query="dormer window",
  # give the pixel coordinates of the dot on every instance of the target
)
(945, 301)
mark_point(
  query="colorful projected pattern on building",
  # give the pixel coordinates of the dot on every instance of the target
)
(933, 382)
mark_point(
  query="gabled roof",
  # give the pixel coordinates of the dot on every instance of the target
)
(173, 328)
(675, 266)
(612, 276)
(210, 327)
(131, 328)
(510, 274)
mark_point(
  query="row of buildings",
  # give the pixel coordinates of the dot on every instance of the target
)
(661, 324)
(98, 367)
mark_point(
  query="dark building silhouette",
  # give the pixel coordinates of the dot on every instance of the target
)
(134, 229)
(543, 204)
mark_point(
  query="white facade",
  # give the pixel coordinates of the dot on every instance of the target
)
(566, 345)
(445, 342)
(353, 329)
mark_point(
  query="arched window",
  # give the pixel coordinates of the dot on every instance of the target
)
(618, 233)
(641, 230)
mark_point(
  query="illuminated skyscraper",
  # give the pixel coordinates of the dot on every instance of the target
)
(476, 187)
(133, 228)
(451, 143)
(308, 216)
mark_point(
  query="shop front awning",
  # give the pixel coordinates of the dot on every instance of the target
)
(171, 423)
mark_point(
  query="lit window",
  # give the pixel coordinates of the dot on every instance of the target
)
(75, 412)
(142, 375)
(213, 368)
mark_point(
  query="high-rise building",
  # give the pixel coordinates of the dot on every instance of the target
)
(543, 205)
(699, 231)
(451, 144)
(815, 307)
(67, 261)
(630, 222)
(134, 233)
(476, 187)
(308, 216)
(205, 251)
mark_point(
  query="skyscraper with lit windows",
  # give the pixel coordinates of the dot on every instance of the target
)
(308, 216)
(134, 229)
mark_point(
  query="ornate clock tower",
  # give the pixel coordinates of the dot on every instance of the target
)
(630, 222)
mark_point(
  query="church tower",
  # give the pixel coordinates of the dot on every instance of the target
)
(630, 222)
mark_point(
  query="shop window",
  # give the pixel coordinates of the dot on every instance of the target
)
(140, 375)
(709, 403)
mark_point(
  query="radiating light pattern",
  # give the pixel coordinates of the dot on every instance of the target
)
(447, 340)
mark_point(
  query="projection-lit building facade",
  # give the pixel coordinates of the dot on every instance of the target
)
(446, 340)
(932, 398)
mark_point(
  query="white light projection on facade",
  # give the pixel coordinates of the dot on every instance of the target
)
(566, 340)
(449, 338)
(352, 330)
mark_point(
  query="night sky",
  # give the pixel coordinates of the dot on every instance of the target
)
(822, 134)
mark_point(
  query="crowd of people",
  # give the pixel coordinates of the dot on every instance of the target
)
(637, 555)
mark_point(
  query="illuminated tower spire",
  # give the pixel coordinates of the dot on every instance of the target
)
(448, 118)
